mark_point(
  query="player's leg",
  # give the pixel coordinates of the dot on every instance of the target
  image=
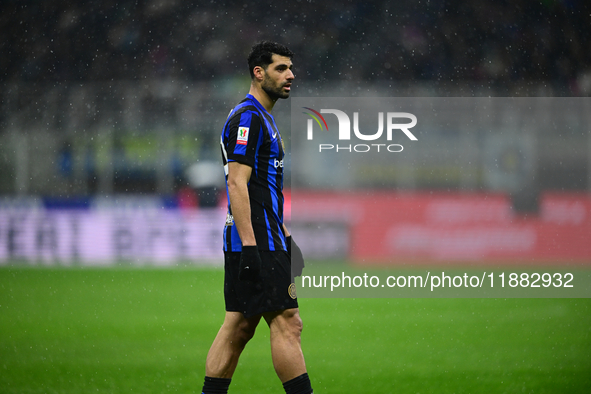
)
(225, 351)
(285, 331)
(229, 343)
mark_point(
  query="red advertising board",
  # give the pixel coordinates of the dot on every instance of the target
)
(399, 227)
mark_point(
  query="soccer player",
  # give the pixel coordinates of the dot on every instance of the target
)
(258, 249)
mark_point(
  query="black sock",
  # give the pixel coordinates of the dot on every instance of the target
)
(299, 385)
(215, 385)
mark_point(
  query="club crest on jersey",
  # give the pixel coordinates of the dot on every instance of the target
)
(242, 136)
(229, 220)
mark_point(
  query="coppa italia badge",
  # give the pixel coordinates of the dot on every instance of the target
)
(242, 138)
(345, 130)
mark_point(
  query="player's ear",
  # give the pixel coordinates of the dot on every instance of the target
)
(259, 73)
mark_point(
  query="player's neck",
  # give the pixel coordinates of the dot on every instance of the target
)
(262, 97)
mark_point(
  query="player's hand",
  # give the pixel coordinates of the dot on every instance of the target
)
(250, 263)
(297, 258)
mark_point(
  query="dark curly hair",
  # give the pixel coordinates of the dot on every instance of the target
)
(262, 52)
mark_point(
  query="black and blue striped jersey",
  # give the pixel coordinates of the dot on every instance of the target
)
(250, 136)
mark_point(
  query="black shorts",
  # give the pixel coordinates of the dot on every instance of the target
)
(274, 291)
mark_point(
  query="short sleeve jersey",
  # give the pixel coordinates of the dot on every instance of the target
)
(250, 136)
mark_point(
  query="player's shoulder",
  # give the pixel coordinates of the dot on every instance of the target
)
(244, 110)
(246, 106)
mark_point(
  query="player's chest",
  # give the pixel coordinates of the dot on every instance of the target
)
(273, 143)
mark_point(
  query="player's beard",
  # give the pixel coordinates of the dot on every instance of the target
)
(273, 91)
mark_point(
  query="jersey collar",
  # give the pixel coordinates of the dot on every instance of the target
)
(256, 103)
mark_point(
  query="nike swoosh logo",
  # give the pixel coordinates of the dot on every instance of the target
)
(274, 135)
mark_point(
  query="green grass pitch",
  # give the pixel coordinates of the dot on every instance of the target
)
(130, 330)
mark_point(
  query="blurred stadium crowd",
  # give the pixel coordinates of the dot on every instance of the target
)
(438, 40)
(122, 95)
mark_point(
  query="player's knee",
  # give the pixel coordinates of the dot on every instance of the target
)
(298, 324)
(245, 331)
(293, 323)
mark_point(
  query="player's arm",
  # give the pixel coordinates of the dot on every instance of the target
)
(238, 177)
(287, 234)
